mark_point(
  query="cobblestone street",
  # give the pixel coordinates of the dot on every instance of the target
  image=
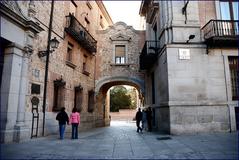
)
(121, 140)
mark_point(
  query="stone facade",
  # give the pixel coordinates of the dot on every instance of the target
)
(187, 81)
(110, 73)
(25, 71)
(192, 94)
(18, 30)
(89, 14)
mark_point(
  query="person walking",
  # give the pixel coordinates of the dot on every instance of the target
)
(75, 121)
(138, 118)
(149, 119)
(62, 118)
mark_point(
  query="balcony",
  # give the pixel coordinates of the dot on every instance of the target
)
(152, 10)
(223, 33)
(149, 54)
(76, 30)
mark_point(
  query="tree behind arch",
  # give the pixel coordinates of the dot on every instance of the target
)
(119, 99)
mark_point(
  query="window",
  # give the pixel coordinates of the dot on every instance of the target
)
(101, 22)
(84, 67)
(229, 10)
(155, 32)
(69, 52)
(91, 94)
(58, 97)
(78, 98)
(84, 62)
(233, 65)
(87, 24)
(120, 54)
(73, 8)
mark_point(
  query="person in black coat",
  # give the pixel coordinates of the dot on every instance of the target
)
(138, 118)
(62, 118)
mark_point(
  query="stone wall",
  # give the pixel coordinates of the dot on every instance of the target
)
(105, 57)
(207, 11)
(192, 95)
(198, 119)
(17, 34)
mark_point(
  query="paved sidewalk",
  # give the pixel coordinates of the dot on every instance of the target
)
(121, 141)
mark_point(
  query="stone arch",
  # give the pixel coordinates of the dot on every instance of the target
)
(102, 94)
(120, 80)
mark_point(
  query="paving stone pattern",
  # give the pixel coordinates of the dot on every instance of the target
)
(121, 141)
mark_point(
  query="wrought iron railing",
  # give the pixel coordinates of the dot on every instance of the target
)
(151, 47)
(220, 28)
(80, 34)
(149, 54)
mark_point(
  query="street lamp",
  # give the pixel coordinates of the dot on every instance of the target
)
(51, 43)
(54, 43)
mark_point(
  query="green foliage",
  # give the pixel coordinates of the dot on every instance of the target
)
(119, 99)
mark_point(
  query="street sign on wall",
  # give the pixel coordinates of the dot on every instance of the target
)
(184, 54)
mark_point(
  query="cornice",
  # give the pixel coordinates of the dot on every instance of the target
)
(19, 19)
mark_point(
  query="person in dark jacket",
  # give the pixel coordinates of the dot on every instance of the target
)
(62, 117)
(138, 118)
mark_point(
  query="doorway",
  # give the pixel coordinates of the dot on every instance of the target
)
(237, 117)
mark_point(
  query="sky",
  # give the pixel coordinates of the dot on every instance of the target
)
(126, 11)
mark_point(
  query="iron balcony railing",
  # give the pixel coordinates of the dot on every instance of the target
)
(80, 34)
(221, 30)
(149, 54)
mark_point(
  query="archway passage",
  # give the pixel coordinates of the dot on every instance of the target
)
(103, 100)
(124, 100)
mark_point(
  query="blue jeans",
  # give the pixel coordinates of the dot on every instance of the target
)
(74, 134)
(62, 130)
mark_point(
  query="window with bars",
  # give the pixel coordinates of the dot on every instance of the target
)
(233, 65)
(120, 54)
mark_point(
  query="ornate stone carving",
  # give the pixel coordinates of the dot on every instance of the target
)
(31, 10)
(13, 5)
(120, 37)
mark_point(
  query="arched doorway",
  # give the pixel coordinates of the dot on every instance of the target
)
(103, 94)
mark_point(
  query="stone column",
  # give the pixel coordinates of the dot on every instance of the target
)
(21, 130)
(13, 92)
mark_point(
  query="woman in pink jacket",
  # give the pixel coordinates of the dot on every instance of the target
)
(75, 121)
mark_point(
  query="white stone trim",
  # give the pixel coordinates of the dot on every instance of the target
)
(218, 10)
